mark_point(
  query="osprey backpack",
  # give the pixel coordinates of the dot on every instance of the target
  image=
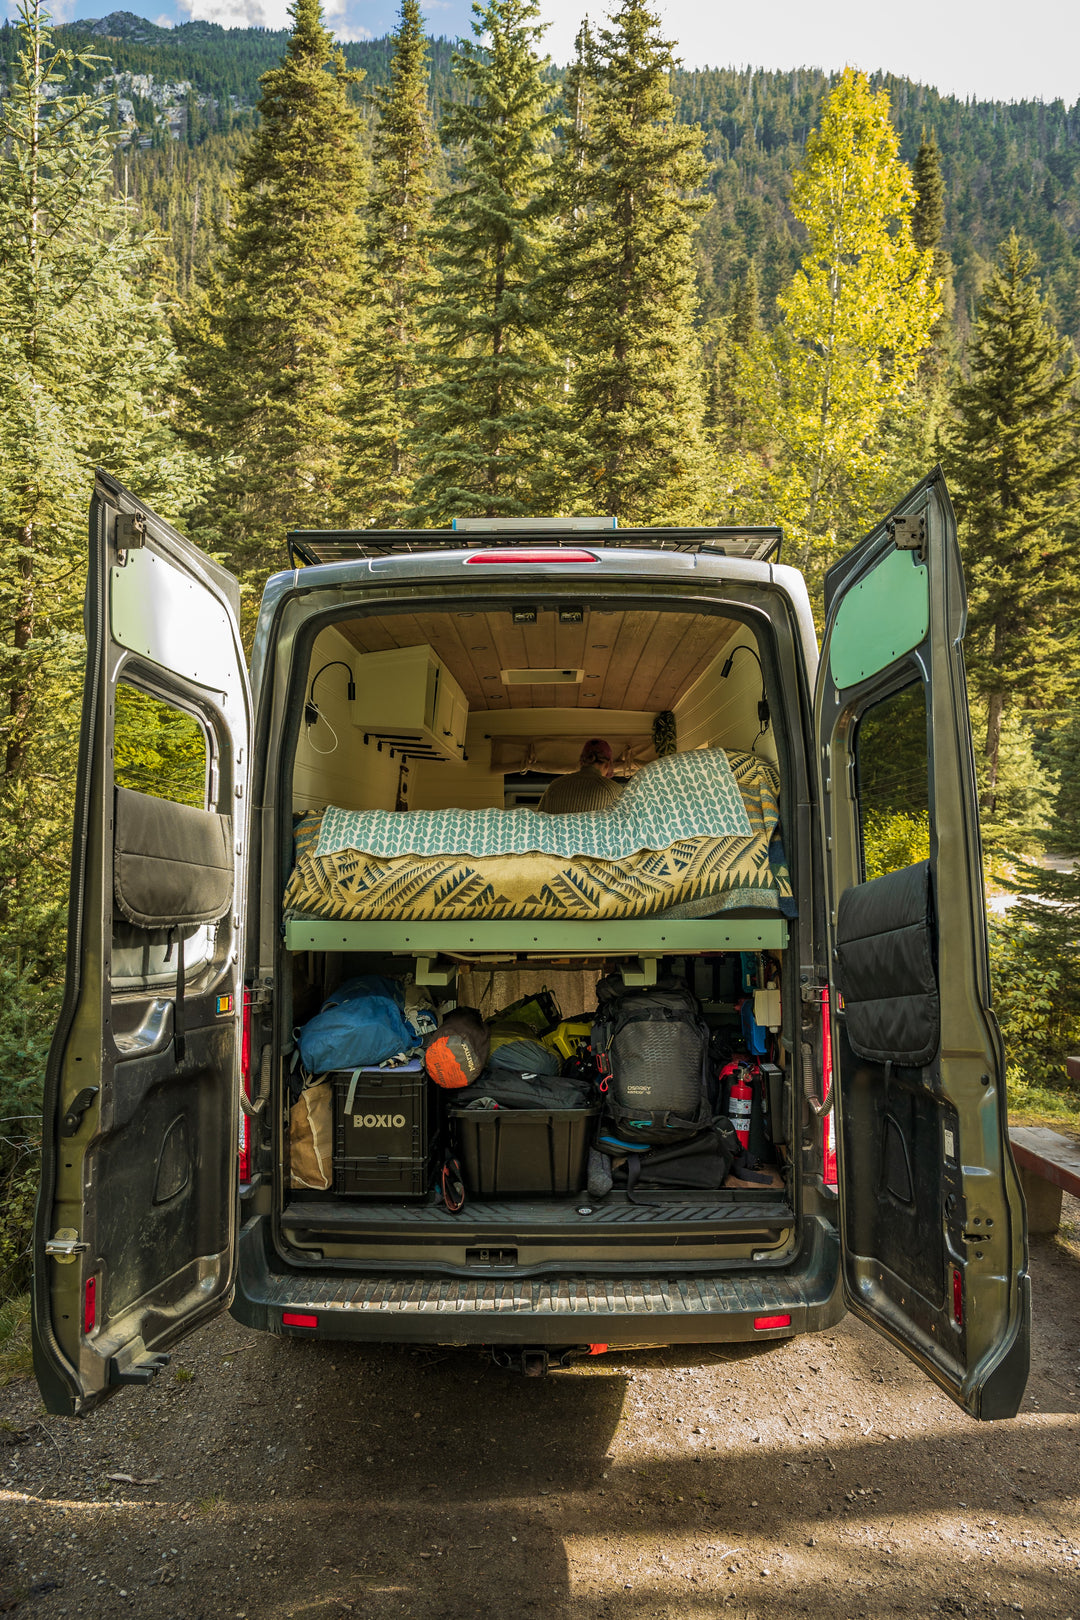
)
(652, 1050)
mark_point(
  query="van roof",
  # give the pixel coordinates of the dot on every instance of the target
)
(311, 547)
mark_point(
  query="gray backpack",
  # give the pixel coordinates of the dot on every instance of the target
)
(652, 1050)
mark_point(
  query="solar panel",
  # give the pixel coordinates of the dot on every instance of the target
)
(309, 547)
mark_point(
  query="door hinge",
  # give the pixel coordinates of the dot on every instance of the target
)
(909, 533)
(64, 1247)
(129, 534)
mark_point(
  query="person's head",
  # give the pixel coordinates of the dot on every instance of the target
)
(597, 753)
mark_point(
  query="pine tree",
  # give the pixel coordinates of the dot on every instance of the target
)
(1013, 462)
(85, 365)
(636, 402)
(928, 214)
(482, 431)
(855, 322)
(382, 407)
(265, 349)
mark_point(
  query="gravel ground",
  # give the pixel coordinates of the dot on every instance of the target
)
(263, 1478)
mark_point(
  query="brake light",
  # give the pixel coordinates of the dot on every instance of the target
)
(771, 1322)
(828, 1141)
(244, 1139)
(958, 1297)
(299, 1319)
(90, 1305)
(560, 555)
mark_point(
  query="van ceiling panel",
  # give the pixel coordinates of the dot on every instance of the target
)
(640, 660)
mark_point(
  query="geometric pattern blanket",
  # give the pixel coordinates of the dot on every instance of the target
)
(692, 876)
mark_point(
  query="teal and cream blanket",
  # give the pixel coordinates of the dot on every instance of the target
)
(691, 795)
(688, 830)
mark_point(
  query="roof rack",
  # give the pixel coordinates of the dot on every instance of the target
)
(311, 547)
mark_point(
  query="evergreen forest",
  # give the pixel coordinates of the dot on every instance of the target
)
(269, 281)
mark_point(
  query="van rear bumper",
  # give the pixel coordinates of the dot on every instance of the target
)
(485, 1309)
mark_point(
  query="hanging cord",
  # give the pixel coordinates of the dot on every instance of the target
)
(333, 733)
(313, 714)
(763, 702)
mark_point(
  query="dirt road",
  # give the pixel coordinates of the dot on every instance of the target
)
(272, 1479)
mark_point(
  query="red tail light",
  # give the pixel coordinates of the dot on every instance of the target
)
(771, 1322)
(244, 1140)
(299, 1319)
(90, 1305)
(958, 1297)
(561, 555)
(828, 1172)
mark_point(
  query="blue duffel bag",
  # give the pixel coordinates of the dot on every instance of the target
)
(359, 1026)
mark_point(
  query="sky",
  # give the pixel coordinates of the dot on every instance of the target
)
(989, 49)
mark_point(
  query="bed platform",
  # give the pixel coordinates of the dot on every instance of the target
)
(634, 936)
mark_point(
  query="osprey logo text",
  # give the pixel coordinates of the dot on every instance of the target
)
(374, 1122)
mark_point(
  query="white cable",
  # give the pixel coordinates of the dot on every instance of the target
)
(330, 729)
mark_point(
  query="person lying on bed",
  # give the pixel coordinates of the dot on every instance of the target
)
(589, 788)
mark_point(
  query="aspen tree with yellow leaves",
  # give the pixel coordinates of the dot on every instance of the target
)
(855, 321)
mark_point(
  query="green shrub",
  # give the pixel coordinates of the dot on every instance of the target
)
(895, 838)
(1033, 1000)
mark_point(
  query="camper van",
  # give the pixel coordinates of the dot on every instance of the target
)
(804, 842)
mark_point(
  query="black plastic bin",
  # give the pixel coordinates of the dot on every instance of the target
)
(382, 1143)
(523, 1150)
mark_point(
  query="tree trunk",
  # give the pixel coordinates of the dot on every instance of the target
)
(995, 715)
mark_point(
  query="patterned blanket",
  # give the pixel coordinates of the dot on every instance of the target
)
(703, 872)
(690, 795)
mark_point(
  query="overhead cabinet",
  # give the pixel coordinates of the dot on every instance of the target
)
(406, 697)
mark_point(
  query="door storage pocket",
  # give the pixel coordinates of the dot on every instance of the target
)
(887, 967)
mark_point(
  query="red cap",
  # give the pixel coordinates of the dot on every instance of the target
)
(596, 748)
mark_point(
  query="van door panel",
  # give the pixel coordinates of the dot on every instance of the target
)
(142, 1102)
(931, 1216)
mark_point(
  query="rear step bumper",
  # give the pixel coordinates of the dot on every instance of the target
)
(716, 1307)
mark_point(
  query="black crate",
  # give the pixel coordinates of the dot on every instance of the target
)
(382, 1143)
(523, 1150)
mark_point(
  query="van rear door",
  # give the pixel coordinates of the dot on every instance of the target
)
(135, 1229)
(931, 1215)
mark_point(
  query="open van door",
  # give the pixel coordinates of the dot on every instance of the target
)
(135, 1232)
(931, 1214)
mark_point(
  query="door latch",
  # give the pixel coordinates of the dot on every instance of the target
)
(909, 533)
(64, 1247)
(73, 1116)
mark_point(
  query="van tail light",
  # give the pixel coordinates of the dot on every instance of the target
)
(244, 1140)
(305, 1319)
(763, 1322)
(90, 1305)
(828, 1141)
(532, 555)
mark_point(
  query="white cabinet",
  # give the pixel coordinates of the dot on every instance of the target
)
(406, 697)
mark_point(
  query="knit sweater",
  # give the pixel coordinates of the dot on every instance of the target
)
(587, 789)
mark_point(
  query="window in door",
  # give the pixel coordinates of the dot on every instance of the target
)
(893, 783)
(164, 751)
(158, 749)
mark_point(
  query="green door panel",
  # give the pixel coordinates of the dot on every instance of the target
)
(880, 618)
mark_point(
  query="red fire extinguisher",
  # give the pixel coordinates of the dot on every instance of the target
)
(740, 1103)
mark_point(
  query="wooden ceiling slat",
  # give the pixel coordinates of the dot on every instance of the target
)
(641, 660)
(632, 632)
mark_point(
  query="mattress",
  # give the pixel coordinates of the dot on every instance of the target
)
(692, 835)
